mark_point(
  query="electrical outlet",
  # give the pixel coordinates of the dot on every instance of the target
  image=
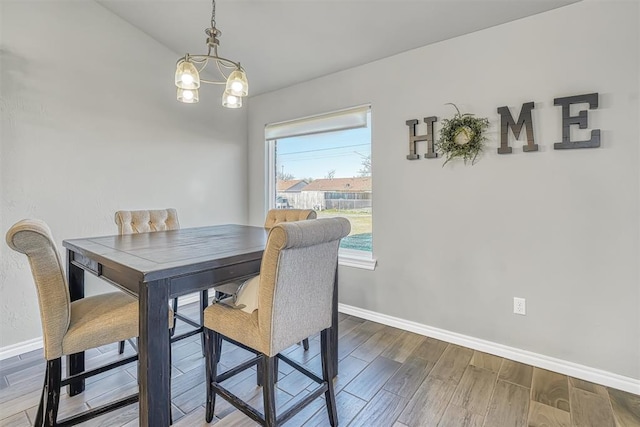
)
(519, 306)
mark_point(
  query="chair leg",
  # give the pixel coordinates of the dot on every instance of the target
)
(175, 310)
(326, 345)
(121, 347)
(204, 302)
(53, 379)
(305, 344)
(211, 367)
(260, 373)
(38, 422)
(269, 391)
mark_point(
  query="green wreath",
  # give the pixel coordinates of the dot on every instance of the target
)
(462, 136)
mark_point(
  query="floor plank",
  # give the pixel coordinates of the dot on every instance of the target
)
(452, 364)
(626, 408)
(474, 390)
(430, 349)
(381, 411)
(516, 373)
(428, 404)
(590, 410)
(541, 415)
(402, 348)
(367, 383)
(375, 345)
(486, 361)
(588, 386)
(348, 407)
(550, 388)
(18, 420)
(509, 406)
(408, 378)
(455, 416)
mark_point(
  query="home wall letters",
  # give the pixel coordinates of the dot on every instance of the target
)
(525, 120)
(413, 139)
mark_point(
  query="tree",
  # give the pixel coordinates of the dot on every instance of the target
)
(366, 166)
(284, 176)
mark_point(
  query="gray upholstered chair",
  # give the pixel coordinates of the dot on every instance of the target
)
(70, 327)
(274, 217)
(147, 221)
(296, 285)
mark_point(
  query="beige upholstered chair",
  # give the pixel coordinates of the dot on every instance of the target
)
(146, 221)
(296, 285)
(277, 216)
(70, 327)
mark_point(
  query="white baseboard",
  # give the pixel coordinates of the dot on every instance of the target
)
(20, 348)
(575, 370)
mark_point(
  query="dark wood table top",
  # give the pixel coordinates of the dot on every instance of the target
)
(147, 257)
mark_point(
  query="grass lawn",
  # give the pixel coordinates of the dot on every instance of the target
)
(360, 221)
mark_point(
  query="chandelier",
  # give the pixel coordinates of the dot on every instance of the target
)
(230, 73)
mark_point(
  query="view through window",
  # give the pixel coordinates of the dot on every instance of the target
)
(329, 172)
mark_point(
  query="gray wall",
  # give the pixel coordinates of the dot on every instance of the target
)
(90, 125)
(456, 244)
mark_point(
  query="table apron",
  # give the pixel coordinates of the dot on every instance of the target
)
(210, 278)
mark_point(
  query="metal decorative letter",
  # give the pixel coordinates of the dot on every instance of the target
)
(414, 139)
(507, 122)
(580, 120)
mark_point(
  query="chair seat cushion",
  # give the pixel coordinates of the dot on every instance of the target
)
(247, 295)
(235, 324)
(102, 319)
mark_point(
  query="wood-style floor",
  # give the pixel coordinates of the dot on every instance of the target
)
(388, 377)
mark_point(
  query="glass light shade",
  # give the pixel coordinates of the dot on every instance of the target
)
(237, 83)
(187, 76)
(188, 96)
(231, 101)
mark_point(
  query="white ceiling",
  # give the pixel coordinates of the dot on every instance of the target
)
(280, 43)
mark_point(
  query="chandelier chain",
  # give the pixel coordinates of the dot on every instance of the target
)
(213, 13)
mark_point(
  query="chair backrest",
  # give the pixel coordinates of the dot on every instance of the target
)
(33, 238)
(276, 216)
(296, 280)
(145, 221)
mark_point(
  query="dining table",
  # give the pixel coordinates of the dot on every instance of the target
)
(155, 267)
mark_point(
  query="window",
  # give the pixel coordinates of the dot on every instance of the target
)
(324, 163)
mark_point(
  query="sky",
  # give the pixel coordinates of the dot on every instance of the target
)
(313, 156)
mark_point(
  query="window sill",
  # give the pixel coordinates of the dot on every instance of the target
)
(357, 259)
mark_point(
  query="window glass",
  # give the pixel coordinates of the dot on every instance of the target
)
(329, 172)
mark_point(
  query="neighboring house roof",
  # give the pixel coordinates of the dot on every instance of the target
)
(353, 185)
(290, 185)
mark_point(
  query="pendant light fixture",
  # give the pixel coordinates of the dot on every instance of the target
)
(230, 73)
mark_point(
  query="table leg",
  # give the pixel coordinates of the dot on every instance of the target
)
(153, 350)
(334, 325)
(75, 362)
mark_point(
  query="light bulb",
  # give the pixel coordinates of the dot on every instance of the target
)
(237, 84)
(187, 79)
(187, 76)
(231, 101)
(187, 96)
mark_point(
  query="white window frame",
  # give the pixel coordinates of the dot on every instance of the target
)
(305, 126)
